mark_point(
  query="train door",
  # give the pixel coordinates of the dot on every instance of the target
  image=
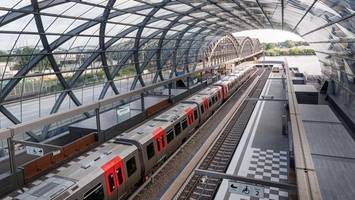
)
(159, 138)
(190, 117)
(205, 103)
(114, 177)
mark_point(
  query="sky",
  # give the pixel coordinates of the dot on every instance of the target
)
(269, 35)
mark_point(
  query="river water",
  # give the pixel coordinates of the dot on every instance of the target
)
(306, 64)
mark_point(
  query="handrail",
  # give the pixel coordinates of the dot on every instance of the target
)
(27, 126)
(307, 182)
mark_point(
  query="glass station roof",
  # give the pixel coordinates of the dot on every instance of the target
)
(89, 41)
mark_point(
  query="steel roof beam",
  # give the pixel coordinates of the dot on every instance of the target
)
(304, 15)
(329, 24)
(263, 11)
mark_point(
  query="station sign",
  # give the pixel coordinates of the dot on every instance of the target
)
(123, 111)
(246, 189)
(36, 151)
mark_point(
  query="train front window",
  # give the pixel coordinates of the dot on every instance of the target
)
(169, 136)
(111, 182)
(150, 150)
(177, 128)
(131, 166)
(119, 175)
(95, 193)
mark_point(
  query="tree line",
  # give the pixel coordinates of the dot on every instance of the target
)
(288, 47)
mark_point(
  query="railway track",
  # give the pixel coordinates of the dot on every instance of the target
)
(221, 153)
(155, 187)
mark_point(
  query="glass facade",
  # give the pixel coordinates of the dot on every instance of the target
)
(58, 54)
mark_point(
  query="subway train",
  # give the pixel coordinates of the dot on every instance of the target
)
(119, 166)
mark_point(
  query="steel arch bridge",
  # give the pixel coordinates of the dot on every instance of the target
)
(57, 46)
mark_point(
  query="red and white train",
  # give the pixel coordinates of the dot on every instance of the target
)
(116, 168)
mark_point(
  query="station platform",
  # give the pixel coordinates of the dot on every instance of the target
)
(263, 150)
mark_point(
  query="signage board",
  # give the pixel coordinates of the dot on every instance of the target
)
(36, 151)
(246, 189)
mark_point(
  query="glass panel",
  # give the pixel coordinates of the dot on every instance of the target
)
(150, 151)
(131, 166)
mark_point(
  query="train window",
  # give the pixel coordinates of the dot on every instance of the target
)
(162, 142)
(184, 124)
(177, 128)
(195, 114)
(169, 136)
(119, 176)
(95, 193)
(111, 182)
(131, 166)
(158, 144)
(202, 109)
(210, 103)
(150, 150)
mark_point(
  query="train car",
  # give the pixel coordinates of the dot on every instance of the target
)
(202, 103)
(226, 85)
(234, 79)
(159, 138)
(107, 172)
(215, 97)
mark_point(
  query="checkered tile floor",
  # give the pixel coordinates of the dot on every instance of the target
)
(267, 165)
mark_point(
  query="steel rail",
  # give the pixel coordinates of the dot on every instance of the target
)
(187, 172)
(171, 158)
(221, 152)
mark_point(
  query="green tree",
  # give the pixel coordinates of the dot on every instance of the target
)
(25, 54)
(290, 44)
(269, 46)
(4, 57)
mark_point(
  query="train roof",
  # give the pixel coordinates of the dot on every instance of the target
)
(198, 98)
(209, 90)
(80, 171)
(229, 78)
(145, 132)
(175, 112)
(233, 74)
(221, 82)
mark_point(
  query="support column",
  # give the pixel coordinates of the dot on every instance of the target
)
(10, 146)
(142, 102)
(169, 91)
(100, 135)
